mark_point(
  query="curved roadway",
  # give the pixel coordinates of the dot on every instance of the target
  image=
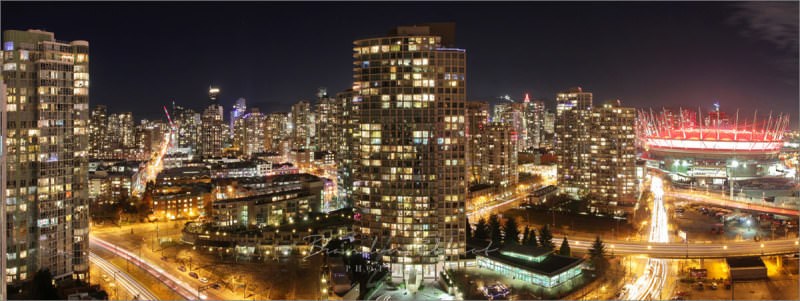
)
(123, 279)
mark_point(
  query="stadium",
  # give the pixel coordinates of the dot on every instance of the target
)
(709, 151)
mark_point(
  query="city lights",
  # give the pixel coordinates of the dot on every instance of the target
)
(312, 160)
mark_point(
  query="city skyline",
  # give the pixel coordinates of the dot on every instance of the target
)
(713, 54)
(519, 151)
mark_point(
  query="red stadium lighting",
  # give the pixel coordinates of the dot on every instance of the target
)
(716, 132)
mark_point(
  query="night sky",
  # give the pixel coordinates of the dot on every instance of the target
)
(145, 55)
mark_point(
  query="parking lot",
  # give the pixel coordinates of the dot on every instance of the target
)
(783, 289)
(713, 223)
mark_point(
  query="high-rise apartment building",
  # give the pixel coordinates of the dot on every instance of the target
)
(188, 123)
(477, 120)
(120, 130)
(595, 147)
(249, 133)
(613, 152)
(238, 110)
(212, 127)
(534, 121)
(278, 133)
(327, 115)
(98, 131)
(573, 125)
(47, 162)
(549, 126)
(410, 185)
(513, 113)
(347, 156)
(302, 125)
(4, 223)
(499, 159)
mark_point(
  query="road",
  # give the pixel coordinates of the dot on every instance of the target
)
(649, 285)
(153, 167)
(180, 287)
(124, 280)
(692, 250)
(701, 197)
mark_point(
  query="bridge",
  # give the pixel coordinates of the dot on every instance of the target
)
(676, 250)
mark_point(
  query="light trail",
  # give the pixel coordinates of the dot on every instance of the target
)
(183, 289)
(150, 171)
(482, 210)
(123, 279)
(649, 285)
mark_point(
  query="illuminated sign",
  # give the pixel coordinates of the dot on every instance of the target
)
(8, 46)
(713, 172)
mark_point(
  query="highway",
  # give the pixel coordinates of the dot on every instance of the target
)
(123, 279)
(700, 197)
(677, 250)
(183, 289)
(649, 285)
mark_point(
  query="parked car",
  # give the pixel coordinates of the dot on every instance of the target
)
(164, 258)
(682, 293)
(215, 286)
(727, 284)
(204, 280)
(193, 275)
(699, 286)
(713, 285)
(182, 269)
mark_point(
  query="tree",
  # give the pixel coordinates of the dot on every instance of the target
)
(469, 229)
(598, 248)
(564, 250)
(481, 230)
(525, 234)
(597, 255)
(494, 228)
(546, 238)
(43, 287)
(532, 239)
(512, 231)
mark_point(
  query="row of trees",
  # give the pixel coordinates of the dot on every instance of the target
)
(509, 234)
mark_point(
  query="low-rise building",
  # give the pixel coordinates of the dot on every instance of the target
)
(283, 199)
(181, 201)
(533, 265)
(251, 168)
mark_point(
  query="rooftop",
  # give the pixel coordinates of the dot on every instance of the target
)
(745, 262)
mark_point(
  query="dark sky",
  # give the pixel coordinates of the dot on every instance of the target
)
(144, 55)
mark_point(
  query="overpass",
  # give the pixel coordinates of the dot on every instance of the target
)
(764, 207)
(676, 250)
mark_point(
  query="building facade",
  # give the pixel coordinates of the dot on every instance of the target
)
(120, 130)
(326, 113)
(211, 131)
(98, 133)
(477, 120)
(249, 133)
(574, 117)
(47, 163)
(410, 185)
(613, 152)
(278, 133)
(499, 159)
(302, 126)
